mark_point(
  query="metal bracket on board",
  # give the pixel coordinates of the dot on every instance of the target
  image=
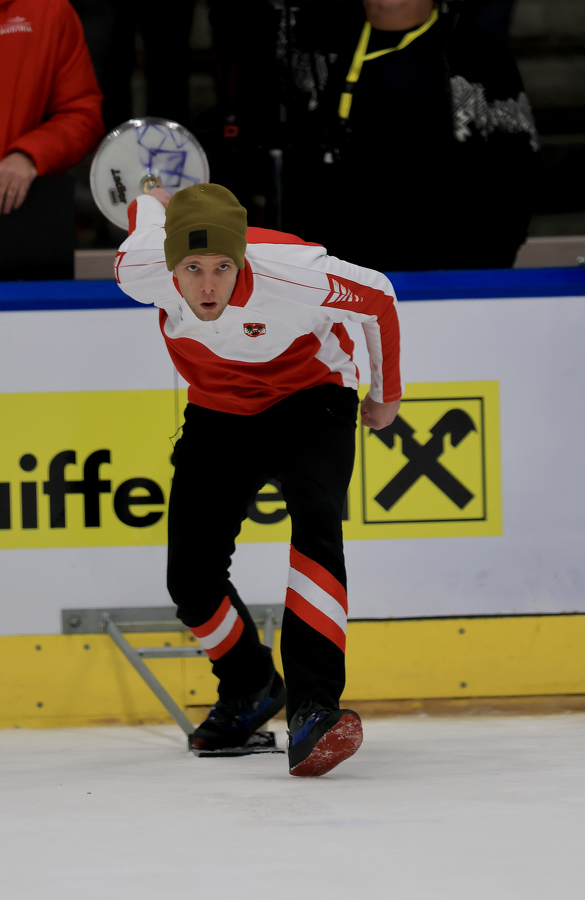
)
(114, 621)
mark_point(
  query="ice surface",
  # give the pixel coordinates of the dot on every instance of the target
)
(460, 809)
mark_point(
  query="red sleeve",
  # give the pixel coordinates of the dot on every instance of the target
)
(374, 306)
(73, 123)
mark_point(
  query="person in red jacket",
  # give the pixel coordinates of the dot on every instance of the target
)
(50, 115)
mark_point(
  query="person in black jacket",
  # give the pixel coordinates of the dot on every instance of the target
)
(407, 140)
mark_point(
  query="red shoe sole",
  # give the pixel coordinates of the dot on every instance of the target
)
(338, 744)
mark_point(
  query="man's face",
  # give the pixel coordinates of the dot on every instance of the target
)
(207, 281)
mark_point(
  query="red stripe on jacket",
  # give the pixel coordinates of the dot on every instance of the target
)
(132, 209)
(380, 305)
(230, 385)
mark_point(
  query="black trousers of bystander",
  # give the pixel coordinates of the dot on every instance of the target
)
(307, 442)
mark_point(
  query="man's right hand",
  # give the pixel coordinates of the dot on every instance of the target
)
(17, 172)
(161, 195)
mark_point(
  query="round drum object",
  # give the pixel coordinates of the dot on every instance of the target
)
(139, 155)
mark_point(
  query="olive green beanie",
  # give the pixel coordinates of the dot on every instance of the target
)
(205, 218)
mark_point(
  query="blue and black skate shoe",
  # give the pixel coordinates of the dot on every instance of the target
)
(321, 737)
(231, 723)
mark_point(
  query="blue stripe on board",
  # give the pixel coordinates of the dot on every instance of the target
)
(475, 284)
(44, 295)
(456, 285)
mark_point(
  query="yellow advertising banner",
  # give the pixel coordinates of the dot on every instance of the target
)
(435, 472)
(85, 469)
(93, 469)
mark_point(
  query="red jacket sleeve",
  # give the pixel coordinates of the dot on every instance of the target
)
(366, 296)
(73, 123)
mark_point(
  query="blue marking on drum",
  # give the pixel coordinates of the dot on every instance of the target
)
(152, 137)
(190, 178)
(170, 163)
(179, 139)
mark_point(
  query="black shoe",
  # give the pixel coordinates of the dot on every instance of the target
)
(231, 722)
(321, 737)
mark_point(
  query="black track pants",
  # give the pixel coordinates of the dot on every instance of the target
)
(307, 442)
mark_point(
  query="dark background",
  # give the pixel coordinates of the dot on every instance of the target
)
(547, 38)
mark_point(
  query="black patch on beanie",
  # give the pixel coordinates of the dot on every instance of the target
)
(198, 240)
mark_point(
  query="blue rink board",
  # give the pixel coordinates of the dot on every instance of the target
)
(469, 284)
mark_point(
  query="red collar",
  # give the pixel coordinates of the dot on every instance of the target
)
(244, 286)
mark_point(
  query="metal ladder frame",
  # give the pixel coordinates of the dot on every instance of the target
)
(116, 620)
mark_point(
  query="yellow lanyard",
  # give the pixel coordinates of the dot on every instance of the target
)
(360, 57)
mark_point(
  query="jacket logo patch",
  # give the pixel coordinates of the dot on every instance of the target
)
(16, 24)
(198, 239)
(254, 329)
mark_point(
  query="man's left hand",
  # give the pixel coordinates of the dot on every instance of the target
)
(17, 172)
(378, 415)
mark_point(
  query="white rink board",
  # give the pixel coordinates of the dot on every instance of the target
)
(532, 347)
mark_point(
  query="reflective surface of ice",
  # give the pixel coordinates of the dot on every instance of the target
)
(429, 809)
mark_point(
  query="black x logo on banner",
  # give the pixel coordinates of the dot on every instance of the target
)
(423, 459)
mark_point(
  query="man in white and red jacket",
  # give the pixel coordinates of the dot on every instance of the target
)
(253, 320)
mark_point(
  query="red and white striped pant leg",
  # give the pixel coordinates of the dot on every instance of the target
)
(317, 598)
(313, 634)
(221, 632)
